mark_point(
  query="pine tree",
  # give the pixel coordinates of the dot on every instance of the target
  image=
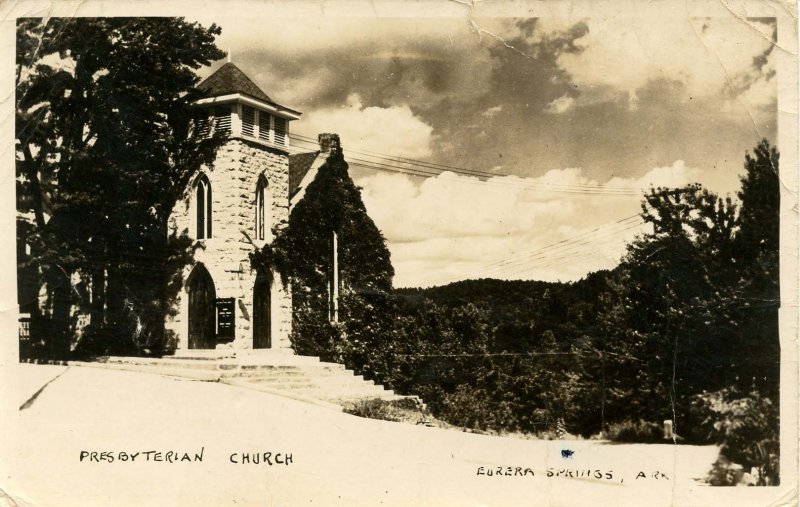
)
(757, 255)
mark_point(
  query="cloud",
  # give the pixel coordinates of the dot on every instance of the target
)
(560, 225)
(322, 60)
(492, 111)
(560, 105)
(621, 98)
(708, 56)
(390, 130)
(588, 94)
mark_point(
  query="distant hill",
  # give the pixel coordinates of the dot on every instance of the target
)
(483, 290)
(520, 311)
(497, 294)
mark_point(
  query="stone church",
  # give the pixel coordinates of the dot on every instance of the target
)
(226, 313)
(232, 207)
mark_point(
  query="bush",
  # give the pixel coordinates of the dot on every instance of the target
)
(93, 344)
(747, 430)
(469, 408)
(642, 432)
(371, 409)
(315, 337)
(400, 410)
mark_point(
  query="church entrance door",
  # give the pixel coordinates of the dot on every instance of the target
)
(262, 314)
(202, 318)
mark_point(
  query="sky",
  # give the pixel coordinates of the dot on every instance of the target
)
(571, 118)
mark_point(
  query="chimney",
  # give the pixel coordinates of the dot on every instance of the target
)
(329, 143)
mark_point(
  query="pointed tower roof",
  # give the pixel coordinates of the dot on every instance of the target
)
(229, 79)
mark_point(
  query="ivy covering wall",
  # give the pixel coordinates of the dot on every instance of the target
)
(303, 254)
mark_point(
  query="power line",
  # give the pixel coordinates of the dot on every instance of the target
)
(356, 162)
(572, 253)
(628, 222)
(433, 165)
(525, 272)
(429, 169)
(566, 247)
(570, 242)
(571, 256)
(498, 182)
(422, 170)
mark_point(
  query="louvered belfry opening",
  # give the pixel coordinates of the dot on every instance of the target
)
(263, 126)
(219, 117)
(279, 130)
(248, 121)
(222, 119)
(201, 123)
(255, 123)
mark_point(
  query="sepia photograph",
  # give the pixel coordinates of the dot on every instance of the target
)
(393, 253)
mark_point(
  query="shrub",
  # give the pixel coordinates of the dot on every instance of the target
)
(746, 427)
(371, 409)
(641, 431)
(315, 337)
(469, 408)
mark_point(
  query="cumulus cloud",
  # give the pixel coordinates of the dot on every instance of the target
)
(558, 226)
(390, 130)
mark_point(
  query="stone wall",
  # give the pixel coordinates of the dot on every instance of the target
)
(233, 178)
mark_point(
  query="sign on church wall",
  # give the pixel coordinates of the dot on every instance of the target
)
(226, 317)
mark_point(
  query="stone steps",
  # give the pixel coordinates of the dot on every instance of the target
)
(343, 380)
(300, 377)
(194, 374)
(327, 393)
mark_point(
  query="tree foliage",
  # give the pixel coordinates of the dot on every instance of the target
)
(703, 287)
(103, 154)
(745, 427)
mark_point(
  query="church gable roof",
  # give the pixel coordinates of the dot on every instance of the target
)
(299, 165)
(229, 79)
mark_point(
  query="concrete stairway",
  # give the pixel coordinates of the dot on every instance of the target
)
(299, 377)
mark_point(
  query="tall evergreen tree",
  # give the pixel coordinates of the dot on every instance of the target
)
(103, 154)
(758, 257)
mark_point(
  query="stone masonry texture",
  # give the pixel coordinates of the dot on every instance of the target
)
(233, 178)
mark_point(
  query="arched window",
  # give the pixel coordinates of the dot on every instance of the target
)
(203, 207)
(260, 205)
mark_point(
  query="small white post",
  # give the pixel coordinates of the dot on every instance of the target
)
(669, 432)
(335, 281)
